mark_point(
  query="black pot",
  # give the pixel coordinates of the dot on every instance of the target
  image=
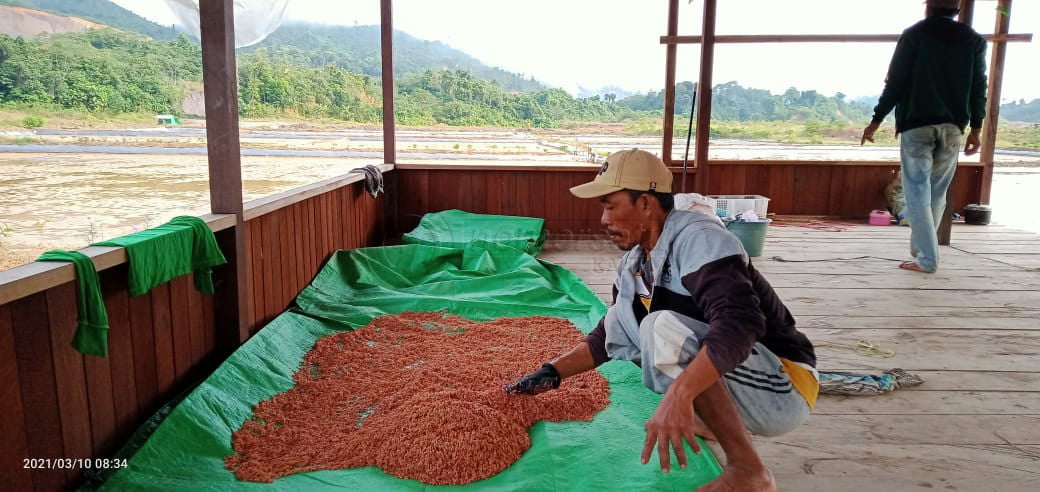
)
(976, 214)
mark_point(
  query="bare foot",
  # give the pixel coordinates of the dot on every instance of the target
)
(701, 429)
(912, 266)
(736, 478)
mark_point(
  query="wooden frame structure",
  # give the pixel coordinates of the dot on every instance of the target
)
(705, 170)
(58, 403)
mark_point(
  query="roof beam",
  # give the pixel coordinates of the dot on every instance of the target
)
(669, 85)
(704, 85)
(220, 85)
(996, 80)
(821, 38)
(386, 29)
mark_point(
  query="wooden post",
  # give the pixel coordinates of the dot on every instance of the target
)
(669, 84)
(967, 13)
(220, 83)
(996, 79)
(386, 29)
(704, 87)
(945, 231)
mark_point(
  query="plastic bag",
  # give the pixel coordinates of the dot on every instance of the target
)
(254, 19)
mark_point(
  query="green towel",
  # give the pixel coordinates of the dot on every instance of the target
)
(91, 336)
(205, 253)
(163, 253)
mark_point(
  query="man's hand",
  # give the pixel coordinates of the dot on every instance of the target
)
(672, 422)
(973, 142)
(540, 381)
(868, 133)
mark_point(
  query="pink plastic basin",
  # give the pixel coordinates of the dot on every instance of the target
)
(880, 218)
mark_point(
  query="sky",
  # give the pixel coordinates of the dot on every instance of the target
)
(590, 44)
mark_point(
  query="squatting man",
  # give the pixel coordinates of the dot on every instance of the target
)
(704, 326)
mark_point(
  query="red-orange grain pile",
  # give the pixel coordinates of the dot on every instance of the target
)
(420, 396)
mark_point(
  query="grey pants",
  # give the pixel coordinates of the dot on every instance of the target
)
(762, 391)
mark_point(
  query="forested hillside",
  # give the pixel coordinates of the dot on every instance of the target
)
(322, 72)
(1021, 111)
(357, 49)
(97, 70)
(102, 12)
(352, 48)
(103, 70)
(732, 102)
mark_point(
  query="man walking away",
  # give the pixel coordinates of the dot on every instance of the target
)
(937, 84)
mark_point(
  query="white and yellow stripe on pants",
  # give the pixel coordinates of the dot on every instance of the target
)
(760, 386)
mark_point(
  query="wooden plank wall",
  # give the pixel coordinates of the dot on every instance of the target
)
(525, 193)
(796, 189)
(836, 190)
(287, 247)
(58, 403)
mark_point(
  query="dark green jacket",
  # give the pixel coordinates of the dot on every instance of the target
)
(937, 75)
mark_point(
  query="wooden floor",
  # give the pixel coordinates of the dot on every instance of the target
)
(971, 331)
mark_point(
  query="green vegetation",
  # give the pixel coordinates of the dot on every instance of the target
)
(457, 98)
(732, 102)
(1019, 136)
(330, 74)
(97, 70)
(357, 49)
(31, 122)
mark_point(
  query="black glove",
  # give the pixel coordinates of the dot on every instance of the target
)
(540, 381)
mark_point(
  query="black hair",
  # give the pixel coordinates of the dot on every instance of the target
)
(667, 200)
(945, 12)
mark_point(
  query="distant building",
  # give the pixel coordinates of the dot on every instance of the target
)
(167, 119)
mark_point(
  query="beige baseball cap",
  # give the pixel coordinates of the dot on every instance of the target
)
(628, 169)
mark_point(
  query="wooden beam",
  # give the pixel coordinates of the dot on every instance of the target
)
(967, 13)
(704, 85)
(271, 203)
(220, 84)
(386, 29)
(996, 80)
(820, 38)
(945, 230)
(669, 83)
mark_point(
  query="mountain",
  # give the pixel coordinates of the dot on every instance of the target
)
(1021, 111)
(20, 21)
(732, 102)
(352, 48)
(357, 49)
(101, 12)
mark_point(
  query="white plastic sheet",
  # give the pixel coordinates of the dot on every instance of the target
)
(254, 19)
(695, 202)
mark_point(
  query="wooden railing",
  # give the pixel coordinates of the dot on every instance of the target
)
(824, 189)
(290, 235)
(58, 403)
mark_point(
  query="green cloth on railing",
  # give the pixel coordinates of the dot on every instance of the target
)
(205, 253)
(178, 247)
(455, 229)
(91, 336)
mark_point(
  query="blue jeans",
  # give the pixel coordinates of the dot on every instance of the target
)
(929, 160)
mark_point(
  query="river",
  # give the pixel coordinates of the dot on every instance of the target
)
(67, 193)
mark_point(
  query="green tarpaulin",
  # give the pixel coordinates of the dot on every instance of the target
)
(455, 229)
(481, 281)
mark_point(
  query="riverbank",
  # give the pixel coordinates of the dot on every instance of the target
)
(70, 200)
